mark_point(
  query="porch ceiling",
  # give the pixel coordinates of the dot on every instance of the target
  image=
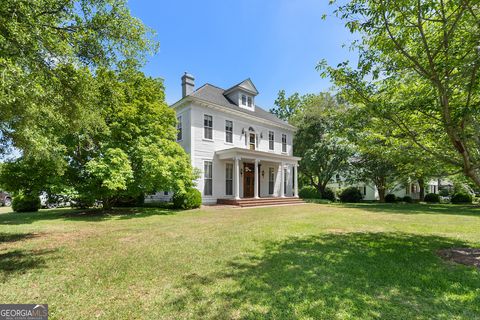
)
(231, 153)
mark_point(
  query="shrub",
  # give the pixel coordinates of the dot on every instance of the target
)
(83, 202)
(309, 192)
(461, 197)
(407, 199)
(390, 198)
(26, 203)
(328, 194)
(350, 194)
(432, 198)
(190, 199)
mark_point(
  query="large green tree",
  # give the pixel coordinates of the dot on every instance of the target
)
(49, 53)
(418, 73)
(317, 118)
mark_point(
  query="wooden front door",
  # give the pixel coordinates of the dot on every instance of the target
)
(248, 180)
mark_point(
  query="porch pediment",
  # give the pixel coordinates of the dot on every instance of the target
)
(243, 153)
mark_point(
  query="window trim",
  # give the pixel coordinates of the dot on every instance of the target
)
(205, 127)
(228, 165)
(244, 99)
(179, 128)
(226, 131)
(271, 140)
(271, 182)
(284, 143)
(205, 178)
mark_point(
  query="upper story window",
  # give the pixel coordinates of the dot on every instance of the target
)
(271, 140)
(228, 131)
(249, 101)
(251, 141)
(244, 100)
(284, 142)
(207, 127)
(179, 128)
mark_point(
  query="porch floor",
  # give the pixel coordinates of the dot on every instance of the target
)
(252, 202)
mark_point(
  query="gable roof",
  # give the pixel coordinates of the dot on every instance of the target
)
(216, 95)
(246, 85)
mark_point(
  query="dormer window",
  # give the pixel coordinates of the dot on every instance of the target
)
(249, 99)
(244, 100)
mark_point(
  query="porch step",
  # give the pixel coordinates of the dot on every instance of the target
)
(261, 201)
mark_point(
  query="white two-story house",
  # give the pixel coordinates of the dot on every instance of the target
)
(241, 150)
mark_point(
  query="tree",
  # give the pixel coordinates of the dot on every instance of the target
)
(49, 53)
(323, 153)
(418, 72)
(286, 107)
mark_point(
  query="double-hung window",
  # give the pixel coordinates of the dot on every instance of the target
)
(244, 100)
(208, 127)
(228, 131)
(271, 140)
(249, 99)
(284, 181)
(179, 128)
(284, 142)
(207, 177)
(271, 180)
(229, 179)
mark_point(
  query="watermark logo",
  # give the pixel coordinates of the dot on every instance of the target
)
(23, 311)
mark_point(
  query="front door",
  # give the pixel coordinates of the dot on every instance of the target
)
(248, 180)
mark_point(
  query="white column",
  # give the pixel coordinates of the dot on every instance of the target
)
(236, 178)
(282, 180)
(255, 180)
(295, 173)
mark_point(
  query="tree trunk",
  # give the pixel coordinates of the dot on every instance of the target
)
(107, 203)
(381, 193)
(421, 184)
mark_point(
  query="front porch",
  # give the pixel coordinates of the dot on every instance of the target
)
(258, 177)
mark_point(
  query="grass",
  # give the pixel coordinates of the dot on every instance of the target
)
(314, 261)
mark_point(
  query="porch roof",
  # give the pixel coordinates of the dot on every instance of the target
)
(232, 153)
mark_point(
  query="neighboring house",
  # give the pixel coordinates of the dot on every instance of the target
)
(370, 192)
(241, 150)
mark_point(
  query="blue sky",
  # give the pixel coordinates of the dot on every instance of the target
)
(277, 43)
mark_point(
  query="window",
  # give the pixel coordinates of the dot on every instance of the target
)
(229, 179)
(244, 100)
(207, 127)
(207, 177)
(364, 190)
(284, 181)
(179, 129)
(271, 140)
(252, 141)
(284, 142)
(249, 99)
(165, 193)
(271, 180)
(228, 131)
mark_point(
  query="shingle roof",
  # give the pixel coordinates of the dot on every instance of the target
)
(215, 95)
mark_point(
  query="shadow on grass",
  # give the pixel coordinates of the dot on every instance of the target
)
(416, 208)
(88, 215)
(355, 275)
(12, 237)
(20, 261)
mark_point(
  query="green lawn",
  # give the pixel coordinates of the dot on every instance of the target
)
(313, 261)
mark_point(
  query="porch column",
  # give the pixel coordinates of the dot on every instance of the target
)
(282, 180)
(295, 174)
(255, 180)
(236, 178)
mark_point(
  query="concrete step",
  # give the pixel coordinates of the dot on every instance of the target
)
(252, 202)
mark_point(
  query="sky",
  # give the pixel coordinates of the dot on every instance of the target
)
(275, 43)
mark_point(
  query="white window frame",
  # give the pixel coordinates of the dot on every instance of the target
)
(229, 178)
(284, 143)
(271, 140)
(207, 177)
(179, 128)
(207, 128)
(244, 100)
(228, 133)
(271, 180)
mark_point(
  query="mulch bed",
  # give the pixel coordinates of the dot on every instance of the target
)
(466, 256)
